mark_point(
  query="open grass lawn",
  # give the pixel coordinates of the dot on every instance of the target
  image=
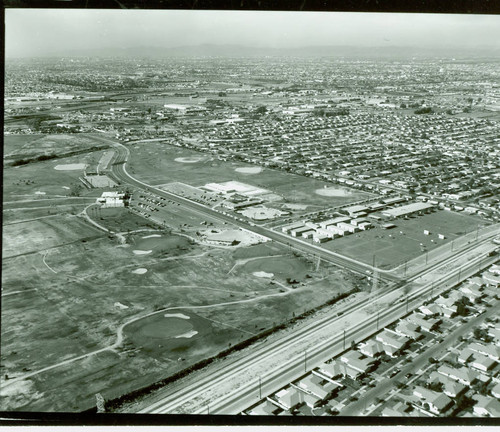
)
(392, 248)
(13, 144)
(22, 182)
(120, 219)
(39, 235)
(155, 163)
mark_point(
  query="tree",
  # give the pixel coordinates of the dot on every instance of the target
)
(75, 189)
(261, 110)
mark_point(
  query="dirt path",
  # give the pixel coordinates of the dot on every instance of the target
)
(45, 262)
(18, 292)
(84, 214)
(30, 220)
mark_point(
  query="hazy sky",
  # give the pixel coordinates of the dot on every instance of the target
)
(48, 31)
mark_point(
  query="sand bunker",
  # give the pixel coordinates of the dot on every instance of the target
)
(70, 167)
(141, 252)
(151, 236)
(333, 192)
(295, 206)
(17, 388)
(188, 159)
(176, 315)
(262, 274)
(39, 193)
(120, 305)
(189, 334)
(139, 271)
(249, 170)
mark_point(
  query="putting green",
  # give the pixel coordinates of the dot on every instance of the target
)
(333, 192)
(166, 328)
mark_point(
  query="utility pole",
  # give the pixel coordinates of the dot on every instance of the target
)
(406, 304)
(305, 361)
(260, 388)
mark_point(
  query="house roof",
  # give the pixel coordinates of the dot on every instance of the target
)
(465, 355)
(492, 406)
(463, 373)
(391, 339)
(482, 360)
(489, 350)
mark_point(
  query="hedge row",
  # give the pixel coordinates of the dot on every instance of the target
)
(53, 156)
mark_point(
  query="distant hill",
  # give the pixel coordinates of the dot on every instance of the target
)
(211, 50)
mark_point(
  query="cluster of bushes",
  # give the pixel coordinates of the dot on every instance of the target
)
(113, 404)
(37, 159)
(426, 110)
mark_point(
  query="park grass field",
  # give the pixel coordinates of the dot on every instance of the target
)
(155, 163)
(24, 181)
(78, 304)
(395, 246)
(32, 146)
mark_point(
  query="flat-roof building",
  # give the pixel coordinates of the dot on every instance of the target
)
(407, 209)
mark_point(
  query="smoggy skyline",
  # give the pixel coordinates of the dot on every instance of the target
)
(46, 32)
